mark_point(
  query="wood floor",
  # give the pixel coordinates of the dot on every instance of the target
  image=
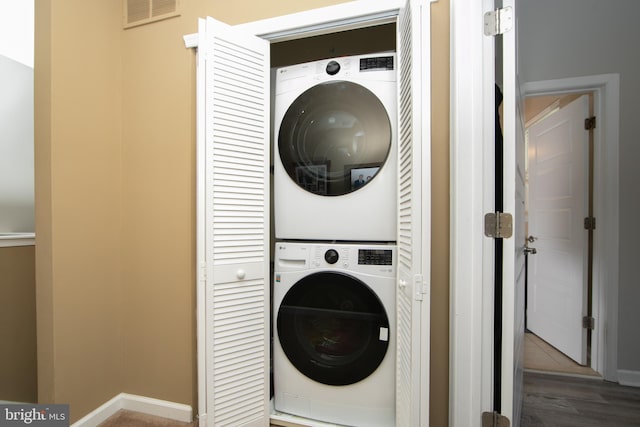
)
(559, 392)
(562, 401)
(541, 356)
(124, 418)
(550, 398)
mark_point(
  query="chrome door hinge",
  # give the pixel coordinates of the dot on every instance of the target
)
(588, 322)
(498, 225)
(494, 419)
(498, 21)
(590, 123)
(590, 223)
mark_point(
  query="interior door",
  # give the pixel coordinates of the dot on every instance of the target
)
(513, 248)
(233, 155)
(414, 216)
(558, 156)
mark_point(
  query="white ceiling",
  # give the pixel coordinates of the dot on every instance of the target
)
(16, 30)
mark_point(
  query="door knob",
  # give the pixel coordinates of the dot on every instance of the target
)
(530, 251)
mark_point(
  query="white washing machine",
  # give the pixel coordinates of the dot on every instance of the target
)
(335, 149)
(334, 332)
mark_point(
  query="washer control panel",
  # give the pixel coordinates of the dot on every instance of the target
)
(377, 259)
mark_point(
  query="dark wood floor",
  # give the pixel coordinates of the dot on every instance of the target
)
(561, 401)
(549, 401)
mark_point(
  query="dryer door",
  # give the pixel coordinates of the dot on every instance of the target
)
(333, 328)
(334, 138)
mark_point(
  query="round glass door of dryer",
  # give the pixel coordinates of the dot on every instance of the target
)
(333, 328)
(334, 138)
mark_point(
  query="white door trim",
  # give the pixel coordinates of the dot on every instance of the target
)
(606, 89)
(472, 181)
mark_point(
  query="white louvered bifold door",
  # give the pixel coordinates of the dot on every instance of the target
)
(414, 215)
(236, 223)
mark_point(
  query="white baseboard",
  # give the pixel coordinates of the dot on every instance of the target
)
(629, 378)
(131, 402)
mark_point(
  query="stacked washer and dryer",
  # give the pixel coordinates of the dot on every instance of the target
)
(335, 226)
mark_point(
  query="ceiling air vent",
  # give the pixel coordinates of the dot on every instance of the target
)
(139, 12)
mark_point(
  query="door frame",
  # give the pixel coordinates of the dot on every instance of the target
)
(472, 98)
(576, 155)
(605, 89)
(472, 144)
(329, 19)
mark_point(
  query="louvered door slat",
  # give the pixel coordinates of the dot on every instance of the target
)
(413, 217)
(237, 224)
(405, 227)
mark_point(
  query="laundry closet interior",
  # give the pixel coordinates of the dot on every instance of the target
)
(347, 341)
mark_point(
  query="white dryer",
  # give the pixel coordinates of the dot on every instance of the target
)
(335, 149)
(334, 332)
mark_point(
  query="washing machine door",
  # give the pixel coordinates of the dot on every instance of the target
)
(334, 138)
(333, 328)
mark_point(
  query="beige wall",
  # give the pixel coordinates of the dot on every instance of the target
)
(18, 379)
(440, 213)
(115, 200)
(78, 202)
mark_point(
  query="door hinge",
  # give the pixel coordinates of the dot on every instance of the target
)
(494, 419)
(498, 21)
(590, 123)
(419, 287)
(588, 322)
(590, 223)
(498, 225)
(203, 272)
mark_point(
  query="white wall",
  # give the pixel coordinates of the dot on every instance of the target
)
(16, 116)
(569, 38)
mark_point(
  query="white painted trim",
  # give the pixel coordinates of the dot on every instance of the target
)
(629, 378)
(17, 239)
(606, 88)
(542, 114)
(201, 264)
(340, 17)
(144, 405)
(190, 40)
(471, 256)
(564, 374)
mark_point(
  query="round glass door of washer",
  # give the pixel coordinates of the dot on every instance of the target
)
(334, 138)
(333, 328)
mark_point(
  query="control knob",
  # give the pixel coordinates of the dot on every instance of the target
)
(331, 256)
(332, 68)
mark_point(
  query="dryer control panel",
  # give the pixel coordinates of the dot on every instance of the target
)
(375, 257)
